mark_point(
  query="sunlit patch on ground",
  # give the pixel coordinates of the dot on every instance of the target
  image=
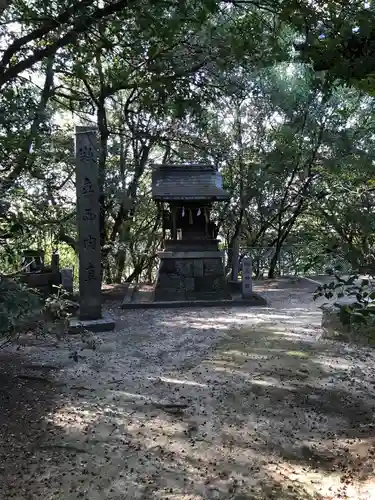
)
(200, 405)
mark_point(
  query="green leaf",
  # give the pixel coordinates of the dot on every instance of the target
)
(358, 317)
(339, 279)
(356, 305)
(344, 317)
(351, 280)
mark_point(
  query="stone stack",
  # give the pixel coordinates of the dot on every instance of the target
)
(191, 275)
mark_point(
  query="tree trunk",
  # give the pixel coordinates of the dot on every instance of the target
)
(65, 238)
(103, 141)
(256, 268)
(274, 262)
(150, 268)
(120, 265)
(108, 273)
(25, 158)
(232, 243)
(235, 259)
(136, 272)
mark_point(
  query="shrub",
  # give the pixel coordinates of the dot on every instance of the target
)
(361, 309)
(59, 306)
(18, 305)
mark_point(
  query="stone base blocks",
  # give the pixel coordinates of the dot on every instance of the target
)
(190, 276)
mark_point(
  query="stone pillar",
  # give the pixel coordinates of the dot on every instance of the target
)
(56, 276)
(247, 285)
(67, 279)
(55, 259)
(88, 210)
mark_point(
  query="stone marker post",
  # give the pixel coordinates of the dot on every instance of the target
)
(67, 279)
(88, 210)
(247, 285)
(55, 260)
(88, 223)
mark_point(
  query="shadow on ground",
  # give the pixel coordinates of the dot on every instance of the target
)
(26, 401)
(266, 410)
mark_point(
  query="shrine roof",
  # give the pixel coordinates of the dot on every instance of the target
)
(187, 182)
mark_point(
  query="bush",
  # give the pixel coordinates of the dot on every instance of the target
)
(359, 306)
(59, 306)
(18, 305)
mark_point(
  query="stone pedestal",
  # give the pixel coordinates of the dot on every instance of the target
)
(103, 324)
(190, 274)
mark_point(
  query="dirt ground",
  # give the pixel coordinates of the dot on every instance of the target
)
(218, 403)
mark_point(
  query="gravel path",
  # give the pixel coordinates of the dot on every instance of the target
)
(226, 403)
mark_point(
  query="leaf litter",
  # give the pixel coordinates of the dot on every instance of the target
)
(224, 403)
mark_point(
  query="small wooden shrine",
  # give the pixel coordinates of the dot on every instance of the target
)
(191, 265)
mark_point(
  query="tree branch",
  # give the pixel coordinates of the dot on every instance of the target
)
(4, 4)
(39, 115)
(82, 24)
(65, 238)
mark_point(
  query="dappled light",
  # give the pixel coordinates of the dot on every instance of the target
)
(220, 404)
(183, 187)
(175, 381)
